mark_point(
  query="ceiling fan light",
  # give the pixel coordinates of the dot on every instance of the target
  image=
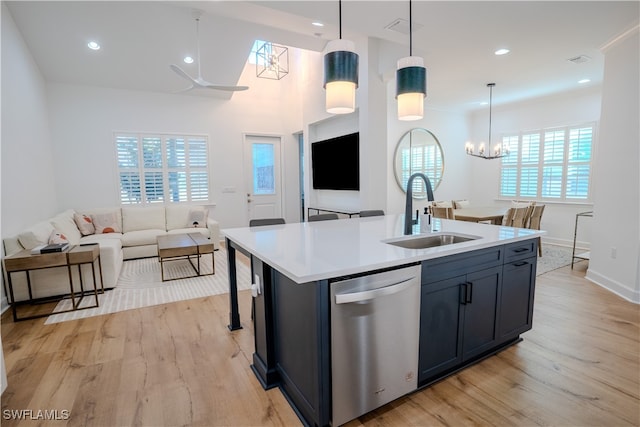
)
(340, 76)
(411, 88)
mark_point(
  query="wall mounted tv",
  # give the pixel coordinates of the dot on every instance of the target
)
(335, 163)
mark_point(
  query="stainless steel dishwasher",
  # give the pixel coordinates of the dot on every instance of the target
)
(375, 322)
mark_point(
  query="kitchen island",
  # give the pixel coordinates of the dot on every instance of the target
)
(474, 298)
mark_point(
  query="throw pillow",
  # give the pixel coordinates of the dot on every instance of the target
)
(197, 219)
(36, 235)
(57, 237)
(84, 223)
(106, 223)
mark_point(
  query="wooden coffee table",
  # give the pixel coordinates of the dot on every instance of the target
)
(172, 247)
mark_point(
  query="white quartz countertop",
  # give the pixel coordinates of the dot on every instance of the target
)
(310, 251)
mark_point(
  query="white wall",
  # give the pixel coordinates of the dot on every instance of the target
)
(570, 108)
(27, 178)
(451, 131)
(83, 120)
(617, 180)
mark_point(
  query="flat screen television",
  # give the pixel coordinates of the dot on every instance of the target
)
(335, 163)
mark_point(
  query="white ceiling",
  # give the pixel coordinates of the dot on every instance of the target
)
(456, 38)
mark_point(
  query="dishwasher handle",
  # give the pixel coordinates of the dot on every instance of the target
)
(390, 289)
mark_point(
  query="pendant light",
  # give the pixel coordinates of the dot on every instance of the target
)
(411, 82)
(340, 73)
(498, 149)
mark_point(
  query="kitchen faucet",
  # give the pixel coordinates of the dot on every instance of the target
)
(408, 220)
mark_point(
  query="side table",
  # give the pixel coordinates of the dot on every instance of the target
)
(25, 262)
(85, 254)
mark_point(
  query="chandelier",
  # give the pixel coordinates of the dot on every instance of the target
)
(498, 149)
(272, 61)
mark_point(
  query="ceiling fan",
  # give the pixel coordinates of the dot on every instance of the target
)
(199, 82)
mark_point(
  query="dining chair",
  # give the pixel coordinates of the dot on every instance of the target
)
(517, 217)
(373, 212)
(266, 221)
(323, 217)
(442, 212)
(534, 222)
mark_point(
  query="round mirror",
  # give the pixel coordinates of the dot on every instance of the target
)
(418, 151)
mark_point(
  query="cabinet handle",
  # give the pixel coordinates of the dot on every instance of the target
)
(463, 293)
(520, 264)
(469, 295)
(520, 250)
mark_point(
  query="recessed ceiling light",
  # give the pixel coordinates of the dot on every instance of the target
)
(317, 24)
(584, 81)
(188, 60)
(93, 45)
(502, 51)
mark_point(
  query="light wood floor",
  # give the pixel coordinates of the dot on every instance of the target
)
(178, 364)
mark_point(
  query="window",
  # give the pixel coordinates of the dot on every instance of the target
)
(162, 168)
(552, 164)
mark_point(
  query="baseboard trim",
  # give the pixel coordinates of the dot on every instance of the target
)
(613, 286)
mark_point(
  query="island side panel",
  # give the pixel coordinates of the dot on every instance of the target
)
(264, 361)
(302, 341)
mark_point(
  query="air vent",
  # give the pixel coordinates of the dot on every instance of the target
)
(580, 59)
(402, 26)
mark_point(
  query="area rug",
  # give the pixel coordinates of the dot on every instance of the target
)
(553, 257)
(140, 285)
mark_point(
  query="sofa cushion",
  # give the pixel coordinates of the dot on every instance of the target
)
(179, 216)
(141, 237)
(106, 223)
(148, 218)
(64, 223)
(84, 224)
(35, 235)
(57, 237)
(92, 238)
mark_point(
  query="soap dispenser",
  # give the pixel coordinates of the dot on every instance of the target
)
(425, 221)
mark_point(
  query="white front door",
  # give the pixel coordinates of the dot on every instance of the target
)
(263, 176)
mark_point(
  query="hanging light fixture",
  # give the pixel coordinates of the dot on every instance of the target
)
(498, 149)
(411, 82)
(340, 73)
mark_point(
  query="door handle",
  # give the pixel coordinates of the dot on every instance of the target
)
(469, 295)
(463, 293)
(391, 289)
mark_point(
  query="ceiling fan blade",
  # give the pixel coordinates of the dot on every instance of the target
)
(223, 87)
(182, 74)
(200, 82)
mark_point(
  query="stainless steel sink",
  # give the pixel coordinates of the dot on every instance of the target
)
(430, 240)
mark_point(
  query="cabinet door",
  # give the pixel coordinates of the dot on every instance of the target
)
(516, 298)
(440, 337)
(479, 333)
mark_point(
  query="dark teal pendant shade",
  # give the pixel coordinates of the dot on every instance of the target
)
(340, 65)
(411, 80)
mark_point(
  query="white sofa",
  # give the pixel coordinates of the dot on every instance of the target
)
(135, 236)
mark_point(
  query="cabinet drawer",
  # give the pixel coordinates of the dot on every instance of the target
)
(455, 265)
(520, 250)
